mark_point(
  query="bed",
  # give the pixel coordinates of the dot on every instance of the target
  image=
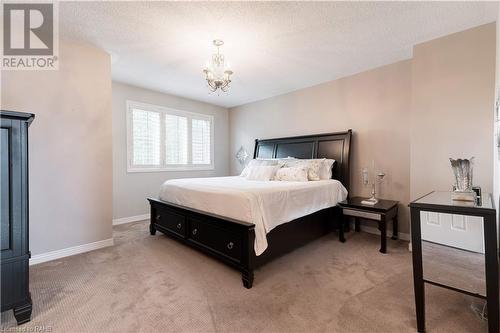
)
(216, 215)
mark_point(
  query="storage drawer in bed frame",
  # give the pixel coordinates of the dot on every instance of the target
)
(222, 241)
(172, 221)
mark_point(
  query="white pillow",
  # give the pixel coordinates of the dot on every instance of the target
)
(326, 169)
(313, 166)
(257, 162)
(297, 174)
(262, 172)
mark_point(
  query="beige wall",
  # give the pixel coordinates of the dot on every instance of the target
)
(70, 147)
(130, 190)
(437, 105)
(453, 81)
(375, 104)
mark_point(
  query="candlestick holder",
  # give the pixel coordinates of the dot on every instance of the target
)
(373, 199)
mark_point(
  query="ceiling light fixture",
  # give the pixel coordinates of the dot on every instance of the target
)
(217, 72)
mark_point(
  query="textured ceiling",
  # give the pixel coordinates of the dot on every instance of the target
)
(273, 47)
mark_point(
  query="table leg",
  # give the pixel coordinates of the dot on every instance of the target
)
(342, 222)
(418, 275)
(382, 226)
(395, 227)
(491, 265)
(357, 223)
(347, 224)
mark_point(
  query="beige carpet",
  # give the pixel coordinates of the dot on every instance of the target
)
(154, 284)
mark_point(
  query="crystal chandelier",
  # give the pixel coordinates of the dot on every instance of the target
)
(217, 72)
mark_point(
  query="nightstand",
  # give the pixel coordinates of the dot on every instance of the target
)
(382, 212)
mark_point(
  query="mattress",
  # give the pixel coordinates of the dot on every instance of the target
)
(266, 204)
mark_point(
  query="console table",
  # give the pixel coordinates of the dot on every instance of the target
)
(441, 202)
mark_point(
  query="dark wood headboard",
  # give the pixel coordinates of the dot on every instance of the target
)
(329, 145)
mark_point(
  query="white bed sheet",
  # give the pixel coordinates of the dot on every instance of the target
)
(266, 204)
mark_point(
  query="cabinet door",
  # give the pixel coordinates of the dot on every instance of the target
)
(11, 214)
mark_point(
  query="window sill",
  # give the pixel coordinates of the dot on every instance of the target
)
(173, 169)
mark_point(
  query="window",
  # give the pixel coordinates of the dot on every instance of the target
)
(200, 141)
(176, 140)
(163, 139)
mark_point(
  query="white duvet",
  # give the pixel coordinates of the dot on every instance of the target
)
(266, 204)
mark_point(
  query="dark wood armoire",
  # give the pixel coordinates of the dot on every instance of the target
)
(15, 254)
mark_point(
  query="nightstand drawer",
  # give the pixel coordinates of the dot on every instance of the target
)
(362, 214)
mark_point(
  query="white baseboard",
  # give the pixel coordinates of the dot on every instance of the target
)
(375, 231)
(130, 219)
(70, 251)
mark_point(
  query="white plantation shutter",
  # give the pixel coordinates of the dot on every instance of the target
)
(200, 137)
(176, 139)
(146, 137)
(163, 139)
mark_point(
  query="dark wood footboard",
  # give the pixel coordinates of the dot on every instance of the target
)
(232, 241)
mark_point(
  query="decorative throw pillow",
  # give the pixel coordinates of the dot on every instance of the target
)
(313, 166)
(326, 169)
(258, 162)
(294, 174)
(262, 173)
